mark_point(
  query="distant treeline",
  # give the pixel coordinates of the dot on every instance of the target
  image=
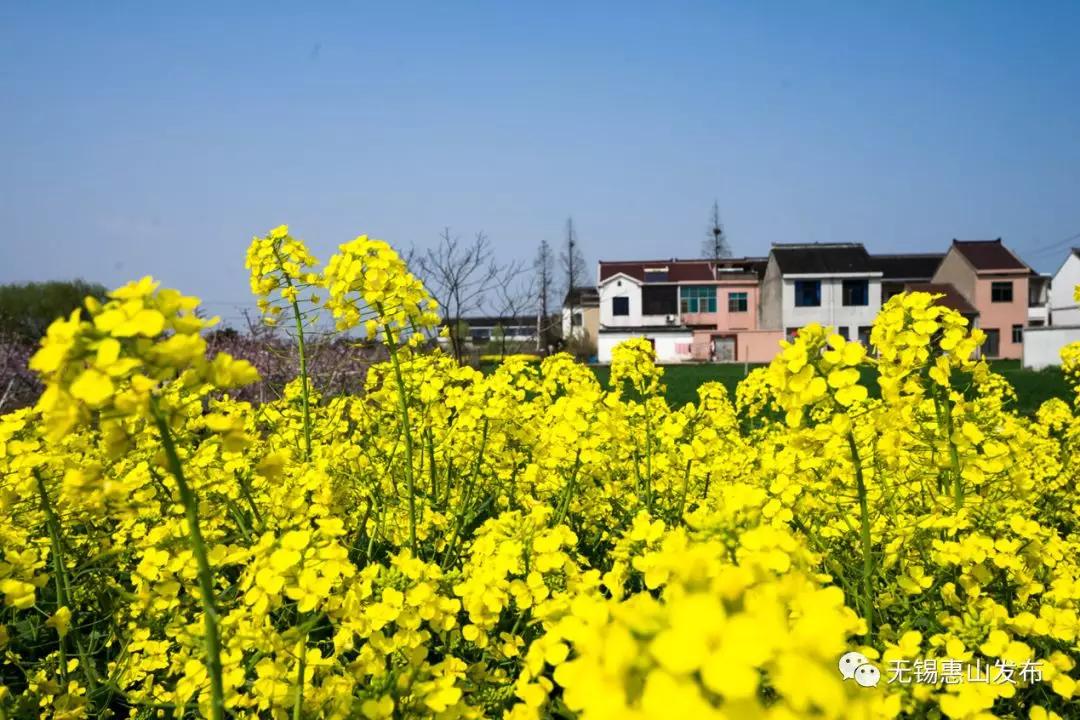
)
(335, 365)
(26, 309)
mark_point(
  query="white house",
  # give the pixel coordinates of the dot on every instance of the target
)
(671, 344)
(641, 299)
(646, 293)
(1063, 309)
(620, 301)
(836, 284)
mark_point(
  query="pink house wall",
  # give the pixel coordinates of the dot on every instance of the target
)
(723, 322)
(699, 346)
(1002, 316)
(758, 346)
(740, 320)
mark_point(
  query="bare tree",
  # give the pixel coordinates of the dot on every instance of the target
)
(573, 265)
(544, 281)
(571, 259)
(715, 245)
(462, 277)
(514, 303)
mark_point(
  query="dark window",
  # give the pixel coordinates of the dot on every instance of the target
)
(480, 334)
(659, 300)
(697, 298)
(1001, 292)
(993, 341)
(842, 331)
(736, 302)
(575, 319)
(864, 335)
(620, 306)
(856, 292)
(656, 276)
(1037, 323)
(807, 293)
(1018, 333)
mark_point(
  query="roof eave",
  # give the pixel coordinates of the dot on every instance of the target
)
(869, 274)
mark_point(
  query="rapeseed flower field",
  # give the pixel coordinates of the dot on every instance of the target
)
(528, 543)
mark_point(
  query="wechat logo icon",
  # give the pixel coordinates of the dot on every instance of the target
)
(856, 666)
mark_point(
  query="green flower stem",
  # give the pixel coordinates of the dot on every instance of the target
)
(298, 705)
(940, 423)
(864, 521)
(304, 396)
(303, 358)
(246, 492)
(678, 517)
(835, 568)
(407, 429)
(58, 564)
(63, 590)
(568, 493)
(954, 458)
(205, 573)
(648, 456)
(429, 443)
(465, 497)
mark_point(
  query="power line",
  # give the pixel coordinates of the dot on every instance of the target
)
(1056, 246)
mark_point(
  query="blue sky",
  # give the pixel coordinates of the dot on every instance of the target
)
(154, 138)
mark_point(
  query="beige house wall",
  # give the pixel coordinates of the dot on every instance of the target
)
(590, 320)
(772, 306)
(958, 271)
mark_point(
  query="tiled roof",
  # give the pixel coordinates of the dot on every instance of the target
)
(953, 299)
(914, 267)
(584, 296)
(678, 270)
(988, 255)
(821, 258)
(755, 265)
(683, 270)
(758, 265)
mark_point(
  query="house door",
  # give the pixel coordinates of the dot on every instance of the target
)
(993, 339)
(723, 349)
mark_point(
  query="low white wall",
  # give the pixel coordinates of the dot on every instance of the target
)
(1042, 345)
(1067, 316)
(671, 347)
